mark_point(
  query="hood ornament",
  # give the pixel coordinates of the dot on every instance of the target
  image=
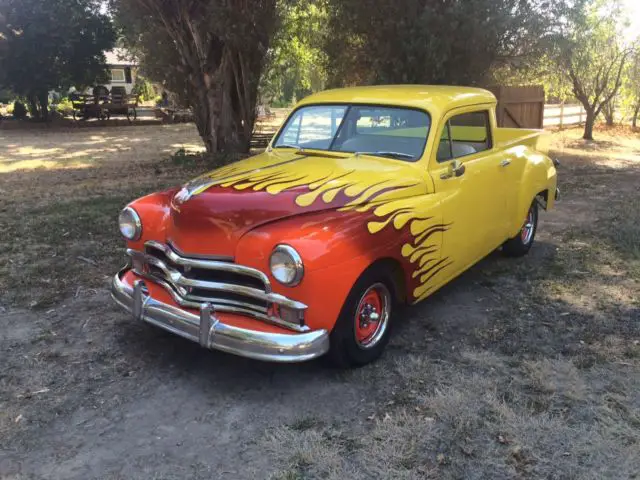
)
(191, 189)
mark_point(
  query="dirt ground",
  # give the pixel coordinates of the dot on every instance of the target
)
(525, 368)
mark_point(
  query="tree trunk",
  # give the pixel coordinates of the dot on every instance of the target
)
(205, 103)
(588, 124)
(214, 112)
(33, 107)
(634, 119)
(43, 101)
(608, 111)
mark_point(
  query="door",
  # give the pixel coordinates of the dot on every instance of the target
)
(467, 175)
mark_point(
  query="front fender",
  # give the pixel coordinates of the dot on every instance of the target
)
(336, 247)
(154, 211)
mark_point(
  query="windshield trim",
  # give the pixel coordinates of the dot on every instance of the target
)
(358, 104)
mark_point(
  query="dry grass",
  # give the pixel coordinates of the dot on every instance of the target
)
(520, 369)
(481, 416)
(59, 219)
(547, 387)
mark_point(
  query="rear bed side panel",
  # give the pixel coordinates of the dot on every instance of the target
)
(535, 139)
(538, 175)
(527, 149)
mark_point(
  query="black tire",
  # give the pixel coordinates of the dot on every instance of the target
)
(346, 351)
(521, 243)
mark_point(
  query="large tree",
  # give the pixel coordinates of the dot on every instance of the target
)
(209, 52)
(434, 41)
(51, 44)
(592, 55)
(295, 63)
(631, 86)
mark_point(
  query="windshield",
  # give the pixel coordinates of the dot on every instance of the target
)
(383, 131)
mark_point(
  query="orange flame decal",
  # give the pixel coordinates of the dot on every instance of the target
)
(394, 201)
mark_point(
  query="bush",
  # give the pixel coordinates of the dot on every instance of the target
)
(65, 106)
(143, 88)
(19, 110)
(6, 96)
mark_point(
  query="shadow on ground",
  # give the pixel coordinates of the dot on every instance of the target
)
(519, 368)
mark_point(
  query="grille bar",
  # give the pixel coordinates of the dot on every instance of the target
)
(209, 264)
(228, 286)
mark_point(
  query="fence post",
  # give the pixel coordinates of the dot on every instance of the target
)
(561, 114)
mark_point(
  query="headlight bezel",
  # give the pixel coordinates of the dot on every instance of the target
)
(134, 219)
(295, 260)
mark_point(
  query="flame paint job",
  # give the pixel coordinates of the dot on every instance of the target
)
(344, 212)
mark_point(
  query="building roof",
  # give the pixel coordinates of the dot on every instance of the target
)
(433, 98)
(120, 56)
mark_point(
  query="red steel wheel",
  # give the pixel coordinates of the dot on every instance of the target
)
(372, 315)
(364, 326)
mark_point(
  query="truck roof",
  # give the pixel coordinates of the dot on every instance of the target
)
(433, 98)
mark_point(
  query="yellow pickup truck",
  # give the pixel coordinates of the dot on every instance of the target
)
(366, 198)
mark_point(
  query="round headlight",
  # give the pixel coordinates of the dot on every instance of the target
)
(130, 224)
(286, 265)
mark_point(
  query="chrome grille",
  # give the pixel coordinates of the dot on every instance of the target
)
(227, 286)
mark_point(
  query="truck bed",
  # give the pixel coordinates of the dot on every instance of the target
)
(510, 137)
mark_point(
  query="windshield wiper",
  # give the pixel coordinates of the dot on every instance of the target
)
(387, 154)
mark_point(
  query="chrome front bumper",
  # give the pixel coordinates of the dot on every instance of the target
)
(207, 330)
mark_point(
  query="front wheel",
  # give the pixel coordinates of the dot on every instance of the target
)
(521, 243)
(364, 325)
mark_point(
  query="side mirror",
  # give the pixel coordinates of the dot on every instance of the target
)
(455, 169)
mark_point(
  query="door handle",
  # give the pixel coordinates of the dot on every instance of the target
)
(505, 163)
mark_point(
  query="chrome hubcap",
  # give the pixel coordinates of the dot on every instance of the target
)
(527, 229)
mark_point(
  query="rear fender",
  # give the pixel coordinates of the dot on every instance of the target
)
(539, 176)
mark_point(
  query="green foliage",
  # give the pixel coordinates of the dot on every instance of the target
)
(65, 106)
(51, 44)
(6, 95)
(295, 66)
(630, 91)
(143, 88)
(592, 55)
(19, 111)
(543, 71)
(431, 41)
(210, 54)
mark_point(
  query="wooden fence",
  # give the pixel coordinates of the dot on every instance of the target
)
(562, 115)
(519, 107)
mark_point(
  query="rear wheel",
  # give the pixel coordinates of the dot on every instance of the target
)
(521, 243)
(364, 325)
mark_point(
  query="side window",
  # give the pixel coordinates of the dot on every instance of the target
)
(465, 134)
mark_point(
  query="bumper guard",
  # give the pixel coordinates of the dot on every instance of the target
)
(207, 330)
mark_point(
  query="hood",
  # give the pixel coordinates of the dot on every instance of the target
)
(211, 213)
